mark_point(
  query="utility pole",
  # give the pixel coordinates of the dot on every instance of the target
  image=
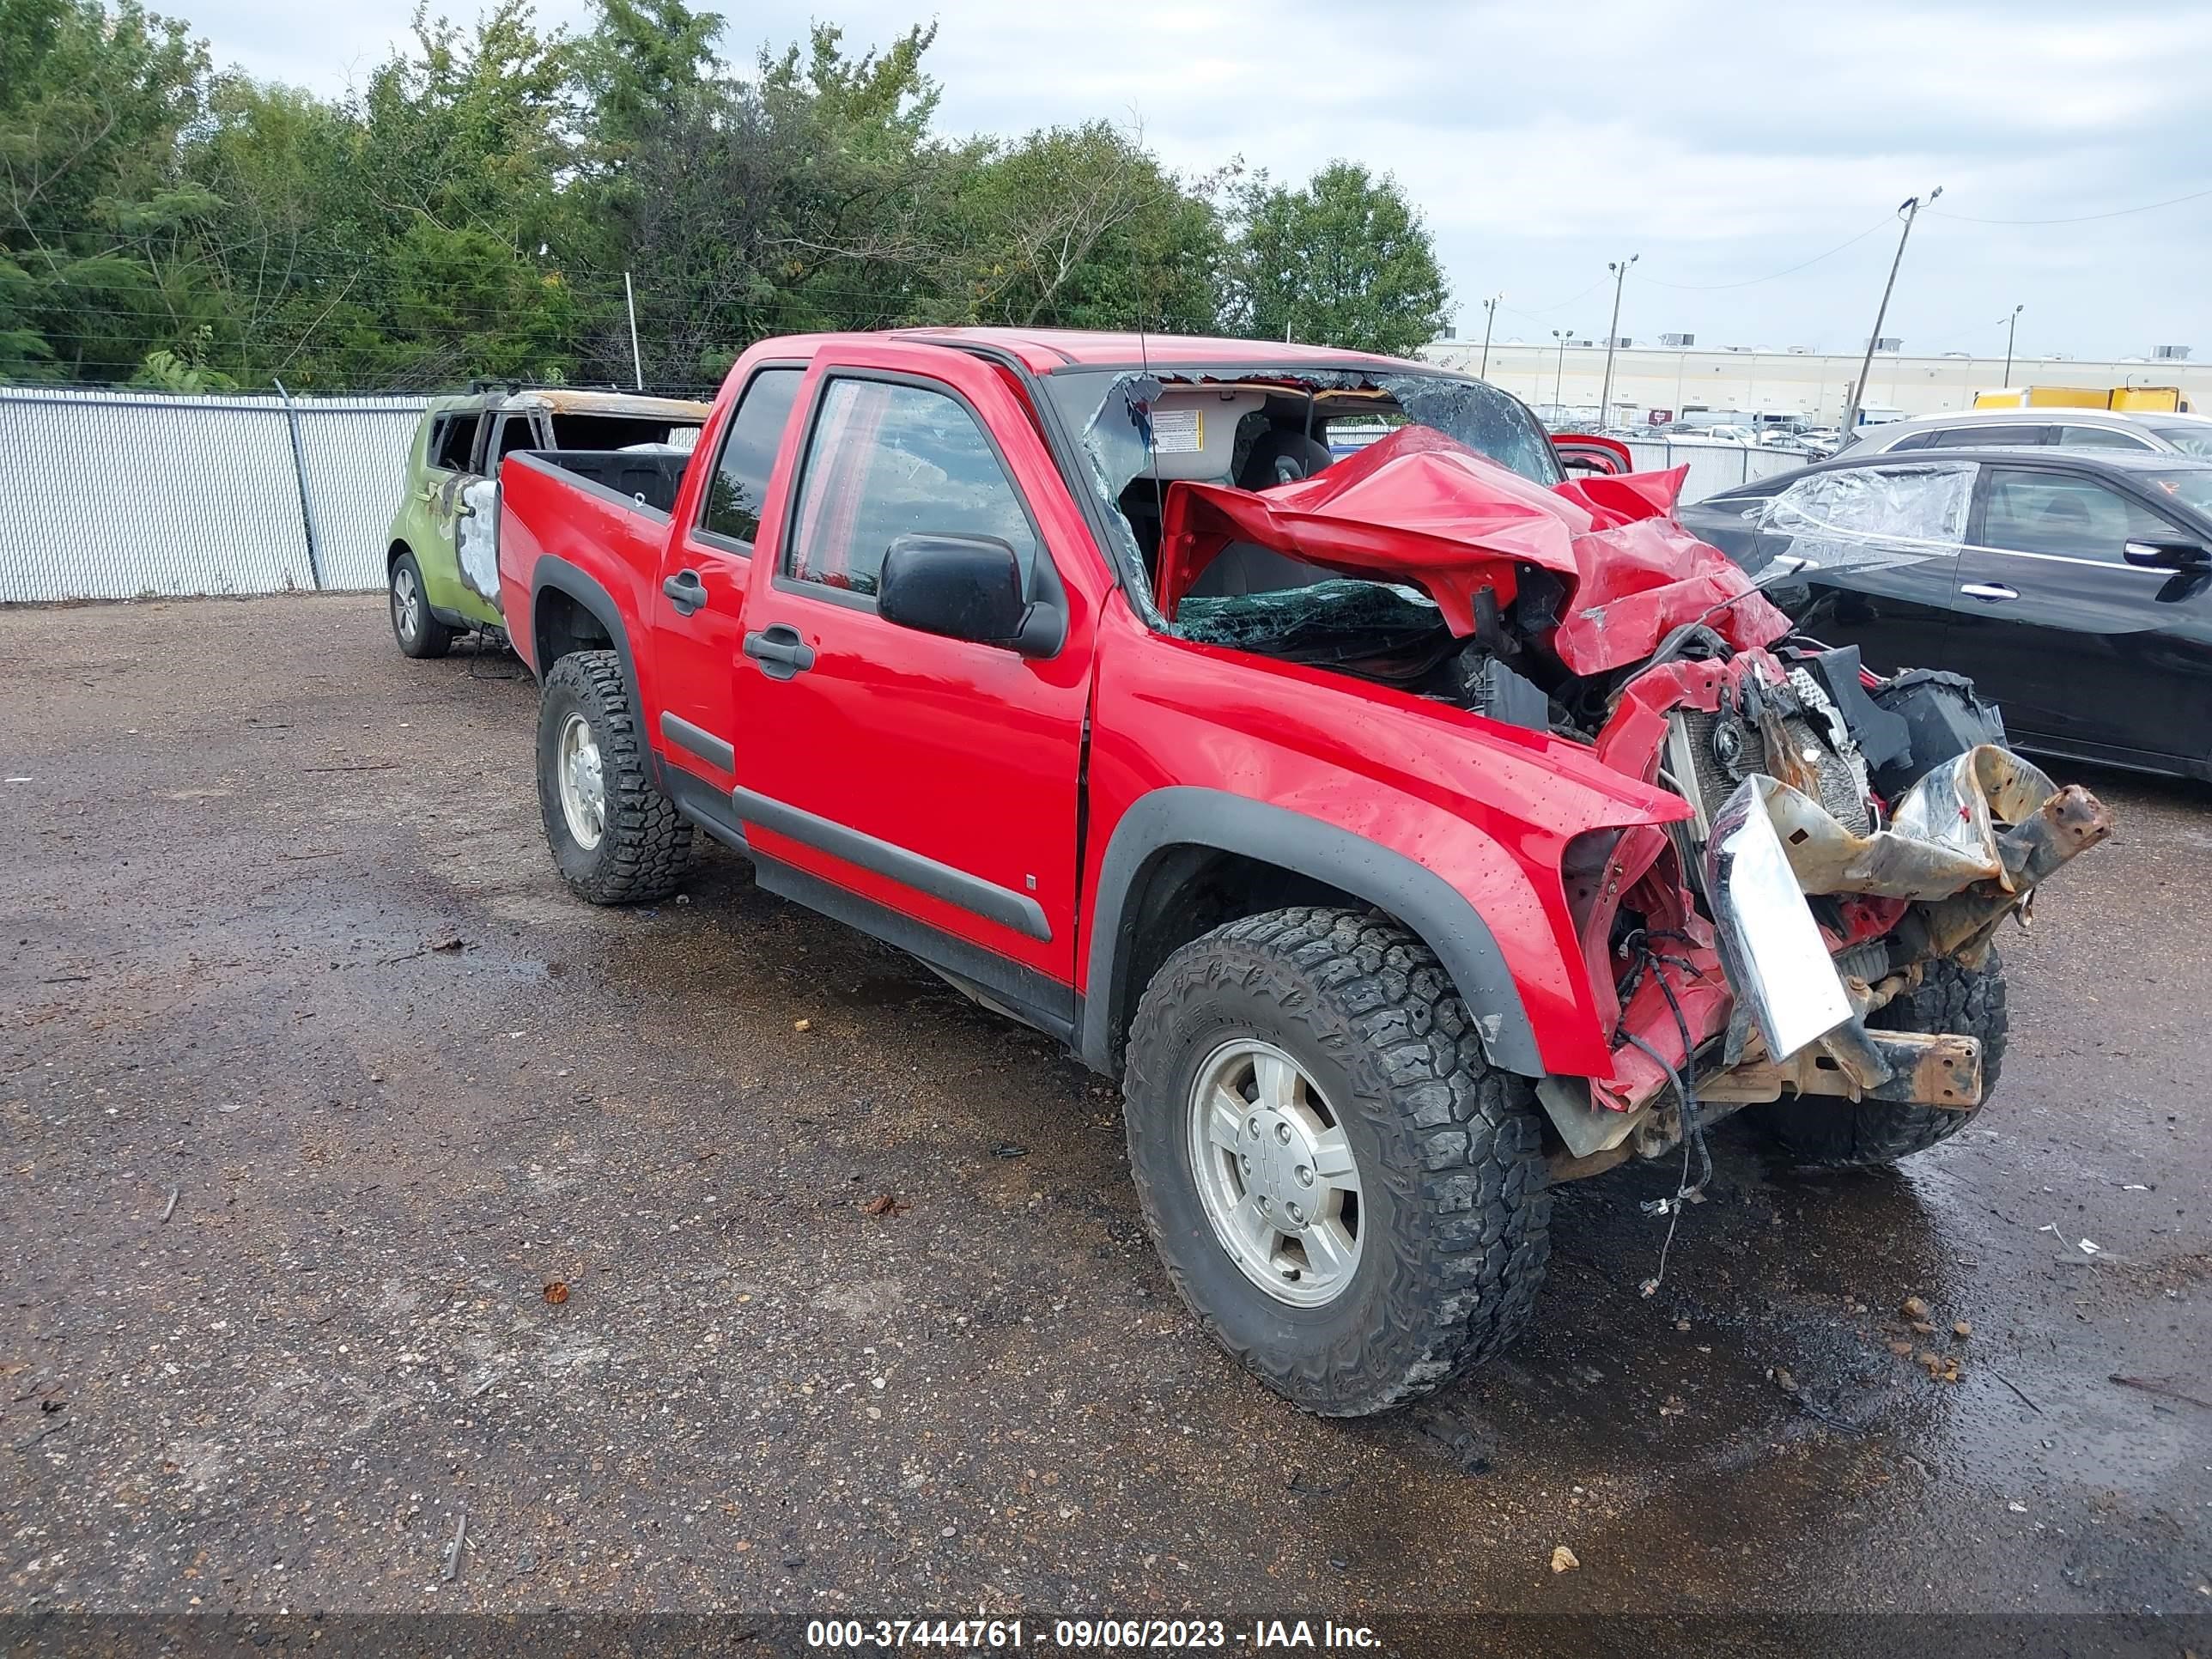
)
(1619, 276)
(1488, 323)
(637, 362)
(1909, 211)
(2011, 324)
(1560, 373)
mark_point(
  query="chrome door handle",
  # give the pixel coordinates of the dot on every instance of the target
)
(1989, 593)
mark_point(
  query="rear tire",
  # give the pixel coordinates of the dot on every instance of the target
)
(420, 634)
(615, 838)
(1834, 1133)
(1447, 1194)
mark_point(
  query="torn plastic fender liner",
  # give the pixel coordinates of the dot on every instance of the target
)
(1421, 508)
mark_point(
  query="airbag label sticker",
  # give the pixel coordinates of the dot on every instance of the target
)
(1178, 431)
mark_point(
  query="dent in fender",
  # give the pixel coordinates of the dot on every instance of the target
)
(1424, 901)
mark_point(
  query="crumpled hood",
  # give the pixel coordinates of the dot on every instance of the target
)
(1421, 509)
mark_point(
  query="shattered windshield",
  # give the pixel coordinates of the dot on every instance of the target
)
(1254, 428)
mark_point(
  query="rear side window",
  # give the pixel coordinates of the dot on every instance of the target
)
(456, 450)
(2097, 437)
(1975, 437)
(515, 432)
(576, 431)
(886, 461)
(741, 470)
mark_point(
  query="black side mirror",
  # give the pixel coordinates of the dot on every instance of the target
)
(964, 587)
(2176, 554)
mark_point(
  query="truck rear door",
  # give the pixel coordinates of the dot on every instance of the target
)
(923, 788)
(698, 601)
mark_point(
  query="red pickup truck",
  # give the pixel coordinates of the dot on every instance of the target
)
(1408, 826)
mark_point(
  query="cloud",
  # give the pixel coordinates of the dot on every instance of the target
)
(1719, 140)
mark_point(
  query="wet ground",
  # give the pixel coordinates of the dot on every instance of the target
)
(353, 1175)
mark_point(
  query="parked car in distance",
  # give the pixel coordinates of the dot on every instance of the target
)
(2072, 585)
(452, 463)
(2064, 428)
(1334, 805)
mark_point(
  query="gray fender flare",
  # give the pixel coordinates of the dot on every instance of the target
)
(1416, 897)
(557, 575)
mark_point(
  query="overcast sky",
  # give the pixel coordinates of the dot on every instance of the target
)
(1722, 142)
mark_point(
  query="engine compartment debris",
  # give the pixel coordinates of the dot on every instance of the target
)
(1441, 563)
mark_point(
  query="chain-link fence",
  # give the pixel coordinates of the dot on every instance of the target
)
(110, 494)
(1713, 466)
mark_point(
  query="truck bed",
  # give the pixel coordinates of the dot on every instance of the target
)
(602, 511)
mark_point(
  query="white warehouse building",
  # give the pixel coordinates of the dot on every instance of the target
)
(1566, 381)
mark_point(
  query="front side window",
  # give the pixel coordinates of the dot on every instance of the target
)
(456, 450)
(1924, 503)
(885, 461)
(2050, 512)
(739, 486)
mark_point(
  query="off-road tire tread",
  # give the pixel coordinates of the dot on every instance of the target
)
(1470, 1253)
(1831, 1134)
(647, 844)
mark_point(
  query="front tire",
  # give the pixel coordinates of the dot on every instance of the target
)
(1350, 1199)
(1832, 1132)
(420, 634)
(615, 837)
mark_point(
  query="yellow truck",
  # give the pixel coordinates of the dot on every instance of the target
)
(2161, 399)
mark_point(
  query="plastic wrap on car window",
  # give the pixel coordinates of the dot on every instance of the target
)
(1872, 515)
(476, 537)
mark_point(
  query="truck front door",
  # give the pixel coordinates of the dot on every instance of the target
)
(922, 788)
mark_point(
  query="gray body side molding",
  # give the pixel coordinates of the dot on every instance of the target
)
(1418, 897)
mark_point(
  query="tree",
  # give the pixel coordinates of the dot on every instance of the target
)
(1345, 261)
(1082, 227)
(92, 101)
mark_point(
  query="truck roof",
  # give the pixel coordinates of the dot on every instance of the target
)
(576, 400)
(1044, 350)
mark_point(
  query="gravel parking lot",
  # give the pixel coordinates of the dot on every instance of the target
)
(575, 1220)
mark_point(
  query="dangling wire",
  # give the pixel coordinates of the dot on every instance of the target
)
(1693, 1132)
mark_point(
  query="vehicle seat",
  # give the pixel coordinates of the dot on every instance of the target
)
(1279, 455)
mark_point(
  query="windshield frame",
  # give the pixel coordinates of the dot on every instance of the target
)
(1079, 397)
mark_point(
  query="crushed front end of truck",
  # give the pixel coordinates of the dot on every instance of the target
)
(1846, 835)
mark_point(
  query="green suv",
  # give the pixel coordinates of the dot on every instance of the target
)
(443, 565)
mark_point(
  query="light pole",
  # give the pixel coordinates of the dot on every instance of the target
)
(1619, 276)
(1908, 211)
(2011, 324)
(1489, 322)
(1560, 373)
